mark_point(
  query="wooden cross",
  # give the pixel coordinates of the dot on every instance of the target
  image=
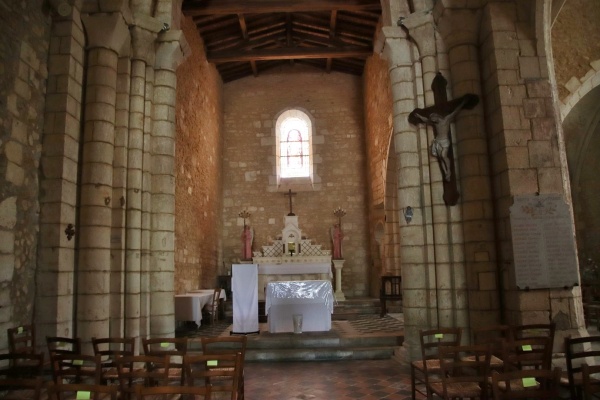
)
(290, 193)
(440, 116)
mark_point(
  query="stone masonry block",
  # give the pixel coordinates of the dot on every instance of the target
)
(523, 181)
(550, 180)
(517, 157)
(573, 84)
(529, 67)
(540, 153)
(534, 108)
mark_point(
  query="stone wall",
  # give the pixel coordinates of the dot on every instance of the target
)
(335, 104)
(198, 168)
(23, 72)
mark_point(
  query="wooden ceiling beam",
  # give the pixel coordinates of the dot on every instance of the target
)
(288, 54)
(204, 7)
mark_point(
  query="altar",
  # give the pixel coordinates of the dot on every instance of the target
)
(313, 300)
(291, 257)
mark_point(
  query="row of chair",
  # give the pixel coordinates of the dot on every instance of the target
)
(499, 349)
(165, 360)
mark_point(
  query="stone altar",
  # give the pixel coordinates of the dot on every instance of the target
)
(291, 257)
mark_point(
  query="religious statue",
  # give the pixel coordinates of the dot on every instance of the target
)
(441, 143)
(247, 237)
(440, 115)
(337, 236)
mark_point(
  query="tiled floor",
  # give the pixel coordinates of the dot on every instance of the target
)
(328, 380)
(325, 380)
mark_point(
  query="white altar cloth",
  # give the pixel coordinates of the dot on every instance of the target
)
(244, 285)
(188, 307)
(312, 299)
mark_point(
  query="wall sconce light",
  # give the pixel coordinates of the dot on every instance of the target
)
(408, 214)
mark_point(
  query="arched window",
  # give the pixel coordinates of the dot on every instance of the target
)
(294, 145)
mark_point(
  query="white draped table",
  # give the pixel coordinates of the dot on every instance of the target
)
(291, 269)
(311, 299)
(188, 307)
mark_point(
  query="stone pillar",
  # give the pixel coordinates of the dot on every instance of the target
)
(459, 30)
(338, 265)
(416, 255)
(142, 55)
(58, 180)
(107, 35)
(169, 55)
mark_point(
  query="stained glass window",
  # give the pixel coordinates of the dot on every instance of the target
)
(294, 148)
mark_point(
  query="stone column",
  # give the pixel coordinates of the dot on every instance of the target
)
(58, 180)
(169, 55)
(416, 255)
(459, 30)
(338, 265)
(107, 35)
(142, 55)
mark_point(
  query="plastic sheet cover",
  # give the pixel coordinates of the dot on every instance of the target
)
(287, 292)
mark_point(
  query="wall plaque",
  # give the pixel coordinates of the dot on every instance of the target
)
(543, 242)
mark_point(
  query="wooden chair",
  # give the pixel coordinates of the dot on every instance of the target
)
(429, 365)
(227, 345)
(21, 365)
(21, 339)
(21, 389)
(590, 382)
(109, 349)
(63, 345)
(391, 290)
(82, 391)
(214, 306)
(215, 370)
(175, 348)
(76, 369)
(141, 371)
(464, 372)
(495, 336)
(526, 384)
(527, 353)
(533, 331)
(579, 351)
(169, 392)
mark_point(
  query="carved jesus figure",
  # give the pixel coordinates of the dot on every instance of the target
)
(441, 143)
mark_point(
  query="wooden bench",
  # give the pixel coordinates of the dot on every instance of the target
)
(391, 290)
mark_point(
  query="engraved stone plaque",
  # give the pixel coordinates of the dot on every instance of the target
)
(543, 242)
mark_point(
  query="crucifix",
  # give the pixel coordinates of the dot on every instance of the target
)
(440, 115)
(290, 193)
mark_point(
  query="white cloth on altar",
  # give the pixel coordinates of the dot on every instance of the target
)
(244, 285)
(295, 268)
(312, 299)
(188, 307)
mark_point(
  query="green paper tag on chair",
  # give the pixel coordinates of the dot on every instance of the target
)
(529, 382)
(82, 395)
(526, 347)
(164, 344)
(439, 335)
(20, 330)
(212, 363)
(77, 362)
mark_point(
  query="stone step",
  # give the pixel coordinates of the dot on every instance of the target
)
(320, 354)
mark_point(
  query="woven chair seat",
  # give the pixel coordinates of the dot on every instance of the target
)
(456, 389)
(432, 365)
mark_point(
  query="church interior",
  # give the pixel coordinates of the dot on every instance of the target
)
(151, 145)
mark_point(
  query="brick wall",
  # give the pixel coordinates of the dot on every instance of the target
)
(198, 168)
(23, 71)
(334, 101)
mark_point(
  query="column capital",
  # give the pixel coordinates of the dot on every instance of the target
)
(396, 49)
(421, 28)
(172, 50)
(108, 31)
(143, 44)
(457, 26)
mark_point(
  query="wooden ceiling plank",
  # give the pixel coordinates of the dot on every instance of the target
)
(204, 7)
(243, 27)
(287, 54)
(332, 23)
